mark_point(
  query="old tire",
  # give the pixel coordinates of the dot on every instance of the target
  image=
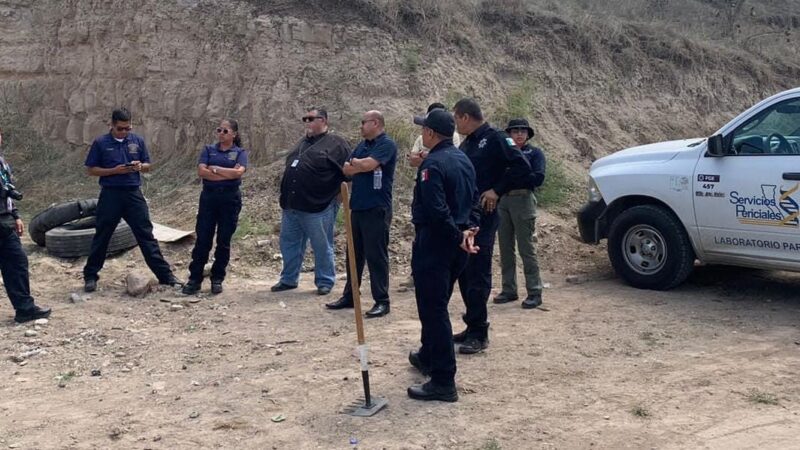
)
(649, 248)
(75, 240)
(58, 215)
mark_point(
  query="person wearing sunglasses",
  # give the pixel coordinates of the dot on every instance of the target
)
(221, 167)
(13, 260)
(118, 159)
(371, 167)
(310, 187)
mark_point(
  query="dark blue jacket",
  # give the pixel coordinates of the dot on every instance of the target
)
(445, 196)
(498, 164)
(538, 164)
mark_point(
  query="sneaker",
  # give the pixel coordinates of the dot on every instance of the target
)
(473, 345)
(532, 301)
(323, 290)
(89, 285)
(33, 313)
(505, 298)
(282, 287)
(190, 288)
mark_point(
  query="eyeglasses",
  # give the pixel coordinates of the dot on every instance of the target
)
(309, 119)
(121, 129)
(368, 120)
(223, 130)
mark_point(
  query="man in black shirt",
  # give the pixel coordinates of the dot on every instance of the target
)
(499, 167)
(309, 187)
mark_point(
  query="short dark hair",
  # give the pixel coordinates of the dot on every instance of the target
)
(321, 112)
(470, 107)
(120, 115)
(436, 105)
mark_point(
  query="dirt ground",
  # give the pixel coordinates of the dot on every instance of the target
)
(711, 364)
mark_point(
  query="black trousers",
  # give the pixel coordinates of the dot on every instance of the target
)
(14, 267)
(371, 244)
(129, 204)
(435, 268)
(218, 212)
(475, 283)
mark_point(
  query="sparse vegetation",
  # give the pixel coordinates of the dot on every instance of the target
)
(411, 58)
(640, 411)
(249, 227)
(491, 444)
(760, 397)
(559, 187)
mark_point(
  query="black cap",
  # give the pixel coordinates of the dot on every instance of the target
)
(520, 123)
(438, 120)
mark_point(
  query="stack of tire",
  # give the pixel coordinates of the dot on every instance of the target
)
(67, 230)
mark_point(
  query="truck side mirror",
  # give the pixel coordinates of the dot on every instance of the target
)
(716, 146)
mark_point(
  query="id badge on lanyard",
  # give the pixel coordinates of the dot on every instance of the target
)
(295, 162)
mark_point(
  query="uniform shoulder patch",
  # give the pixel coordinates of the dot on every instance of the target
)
(510, 142)
(423, 176)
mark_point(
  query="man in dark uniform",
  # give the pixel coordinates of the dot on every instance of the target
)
(444, 212)
(13, 261)
(118, 158)
(499, 167)
(371, 167)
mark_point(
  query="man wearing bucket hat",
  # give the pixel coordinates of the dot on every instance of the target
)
(517, 211)
(444, 213)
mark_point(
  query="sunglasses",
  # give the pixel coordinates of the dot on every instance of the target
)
(121, 129)
(223, 130)
(309, 119)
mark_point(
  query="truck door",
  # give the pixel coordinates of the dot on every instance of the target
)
(746, 203)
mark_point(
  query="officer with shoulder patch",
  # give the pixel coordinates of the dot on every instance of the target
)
(13, 260)
(118, 159)
(221, 167)
(498, 168)
(445, 214)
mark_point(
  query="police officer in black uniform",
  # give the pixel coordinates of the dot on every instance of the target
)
(221, 167)
(444, 213)
(13, 261)
(117, 158)
(499, 167)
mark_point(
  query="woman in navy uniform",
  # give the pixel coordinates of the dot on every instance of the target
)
(221, 167)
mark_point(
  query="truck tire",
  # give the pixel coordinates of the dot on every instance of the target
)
(75, 239)
(649, 248)
(58, 215)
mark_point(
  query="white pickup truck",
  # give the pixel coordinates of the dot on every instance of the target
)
(729, 199)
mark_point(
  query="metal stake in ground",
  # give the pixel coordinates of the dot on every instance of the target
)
(371, 404)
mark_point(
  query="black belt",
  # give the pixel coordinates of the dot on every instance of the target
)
(516, 192)
(221, 188)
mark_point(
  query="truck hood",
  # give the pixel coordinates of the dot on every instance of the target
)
(651, 153)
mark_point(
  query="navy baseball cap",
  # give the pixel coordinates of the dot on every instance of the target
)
(438, 120)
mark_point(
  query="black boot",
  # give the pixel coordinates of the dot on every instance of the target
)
(32, 313)
(431, 391)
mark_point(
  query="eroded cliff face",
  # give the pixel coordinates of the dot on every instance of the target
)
(181, 65)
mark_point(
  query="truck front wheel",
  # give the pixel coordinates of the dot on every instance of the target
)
(649, 248)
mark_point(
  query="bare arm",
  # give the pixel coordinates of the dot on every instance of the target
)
(228, 174)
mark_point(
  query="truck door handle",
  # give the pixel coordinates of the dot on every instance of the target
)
(791, 176)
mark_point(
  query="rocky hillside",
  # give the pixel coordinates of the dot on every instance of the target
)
(592, 79)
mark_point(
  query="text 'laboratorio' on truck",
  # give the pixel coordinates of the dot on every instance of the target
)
(731, 198)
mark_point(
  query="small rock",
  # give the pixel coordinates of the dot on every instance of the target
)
(282, 304)
(277, 257)
(138, 284)
(194, 300)
(41, 322)
(607, 417)
(119, 354)
(13, 445)
(175, 307)
(125, 369)
(278, 351)
(546, 285)
(575, 279)
(159, 385)
(194, 415)
(23, 363)
(207, 270)
(165, 300)
(96, 372)
(263, 242)
(75, 298)
(31, 333)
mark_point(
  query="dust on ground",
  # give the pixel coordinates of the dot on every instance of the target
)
(711, 364)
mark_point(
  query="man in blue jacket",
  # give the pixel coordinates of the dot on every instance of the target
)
(445, 214)
(118, 159)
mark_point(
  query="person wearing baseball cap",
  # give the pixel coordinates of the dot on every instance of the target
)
(444, 212)
(517, 211)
